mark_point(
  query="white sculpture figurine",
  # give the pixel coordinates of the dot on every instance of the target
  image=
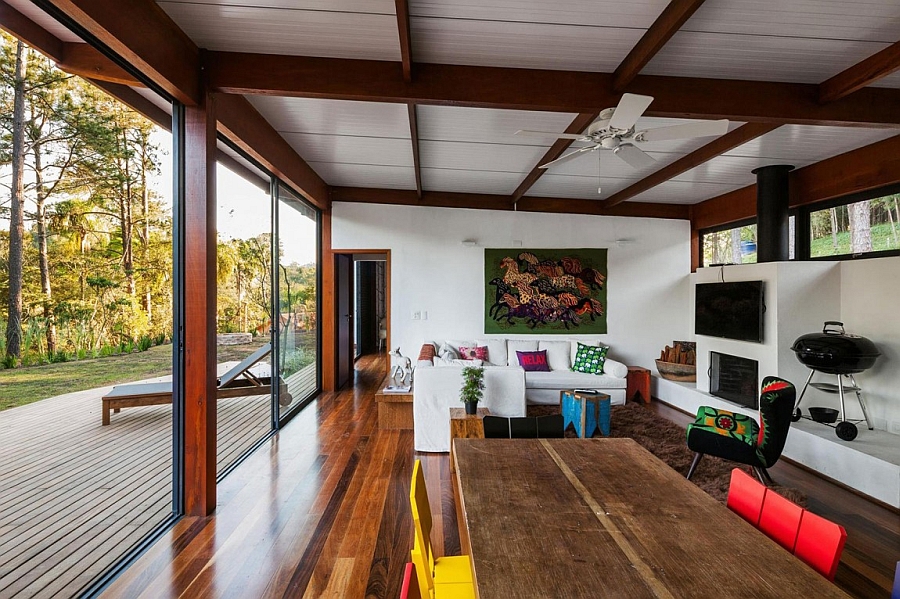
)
(401, 367)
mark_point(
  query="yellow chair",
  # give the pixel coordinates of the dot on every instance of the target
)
(449, 576)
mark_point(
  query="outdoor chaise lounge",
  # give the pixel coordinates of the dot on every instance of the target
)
(237, 382)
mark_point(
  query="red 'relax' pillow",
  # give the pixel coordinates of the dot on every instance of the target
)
(533, 361)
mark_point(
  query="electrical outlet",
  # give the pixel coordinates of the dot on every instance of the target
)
(416, 315)
(424, 314)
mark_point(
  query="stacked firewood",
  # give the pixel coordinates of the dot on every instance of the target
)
(684, 352)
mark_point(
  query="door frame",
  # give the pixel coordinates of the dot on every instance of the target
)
(329, 311)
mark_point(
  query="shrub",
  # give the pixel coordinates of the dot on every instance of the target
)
(58, 356)
(9, 361)
(145, 343)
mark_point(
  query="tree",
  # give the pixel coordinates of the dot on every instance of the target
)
(860, 227)
(16, 209)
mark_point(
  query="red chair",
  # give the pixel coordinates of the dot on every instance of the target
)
(745, 496)
(410, 587)
(780, 519)
(820, 543)
(896, 592)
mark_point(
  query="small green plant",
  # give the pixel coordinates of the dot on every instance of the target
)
(106, 350)
(145, 343)
(473, 384)
(9, 362)
(59, 356)
(159, 339)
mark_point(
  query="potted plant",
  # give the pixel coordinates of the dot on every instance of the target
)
(472, 388)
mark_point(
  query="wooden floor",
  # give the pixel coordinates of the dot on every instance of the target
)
(75, 495)
(322, 511)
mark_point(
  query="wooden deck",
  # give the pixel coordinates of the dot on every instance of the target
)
(75, 495)
(322, 510)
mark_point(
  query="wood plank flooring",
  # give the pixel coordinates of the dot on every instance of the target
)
(75, 495)
(322, 510)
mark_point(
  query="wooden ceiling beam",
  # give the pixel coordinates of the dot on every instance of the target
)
(578, 124)
(414, 138)
(145, 37)
(869, 167)
(86, 61)
(21, 27)
(717, 147)
(405, 39)
(240, 122)
(480, 201)
(673, 16)
(545, 90)
(861, 74)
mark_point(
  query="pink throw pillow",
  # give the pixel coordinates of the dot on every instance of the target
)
(473, 353)
(533, 361)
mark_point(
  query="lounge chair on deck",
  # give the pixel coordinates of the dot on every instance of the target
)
(237, 382)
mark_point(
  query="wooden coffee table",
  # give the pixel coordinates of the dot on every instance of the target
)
(587, 411)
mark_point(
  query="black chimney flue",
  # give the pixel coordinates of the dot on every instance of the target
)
(772, 204)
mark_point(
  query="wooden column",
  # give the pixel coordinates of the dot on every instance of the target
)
(200, 309)
(329, 357)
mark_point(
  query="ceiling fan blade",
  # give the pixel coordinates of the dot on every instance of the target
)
(634, 156)
(568, 156)
(629, 110)
(548, 134)
(702, 129)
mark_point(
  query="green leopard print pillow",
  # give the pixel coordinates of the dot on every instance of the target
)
(589, 359)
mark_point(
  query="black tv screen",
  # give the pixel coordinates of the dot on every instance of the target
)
(730, 310)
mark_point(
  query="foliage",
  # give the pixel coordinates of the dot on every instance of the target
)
(473, 384)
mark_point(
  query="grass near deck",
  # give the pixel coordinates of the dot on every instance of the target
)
(21, 386)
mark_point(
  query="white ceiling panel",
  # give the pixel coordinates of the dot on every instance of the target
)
(334, 34)
(868, 20)
(347, 148)
(463, 181)
(30, 10)
(680, 146)
(366, 175)
(730, 170)
(892, 80)
(611, 166)
(479, 156)
(636, 14)
(521, 45)
(334, 117)
(757, 57)
(385, 7)
(683, 192)
(804, 144)
(570, 186)
(457, 123)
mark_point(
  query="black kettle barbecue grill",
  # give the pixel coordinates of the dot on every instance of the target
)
(835, 352)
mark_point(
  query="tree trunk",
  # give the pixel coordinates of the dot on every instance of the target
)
(43, 259)
(891, 220)
(16, 209)
(860, 228)
(145, 205)
(834, 228)
(127, 222)
(736, 257)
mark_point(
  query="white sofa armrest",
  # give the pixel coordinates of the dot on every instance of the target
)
(615, 368)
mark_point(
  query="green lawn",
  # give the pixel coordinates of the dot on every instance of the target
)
(882, 239)
(21, 386)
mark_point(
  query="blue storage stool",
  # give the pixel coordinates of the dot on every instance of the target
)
(587, 411)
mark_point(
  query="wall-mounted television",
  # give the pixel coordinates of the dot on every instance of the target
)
(730, 310)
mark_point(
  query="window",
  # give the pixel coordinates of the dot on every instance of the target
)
(858, 227)
(736, 245)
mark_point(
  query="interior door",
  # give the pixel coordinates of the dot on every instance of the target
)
(344, 306)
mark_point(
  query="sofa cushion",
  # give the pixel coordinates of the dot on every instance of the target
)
(533, 361)
(614, 368)
(567, 379)
(590, 342)
(589, 359)
(477, 352)
(428, 352)
(496, 350)
(440, 362)
(514, 345)
(557, 354)
(448, 352)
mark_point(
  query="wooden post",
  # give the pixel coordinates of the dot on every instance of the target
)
(200, 309)
(328, 327)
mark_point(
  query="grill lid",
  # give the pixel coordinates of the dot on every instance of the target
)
(835, 351)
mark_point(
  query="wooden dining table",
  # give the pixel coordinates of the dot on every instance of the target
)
(570, 518)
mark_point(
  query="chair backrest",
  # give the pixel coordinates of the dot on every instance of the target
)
(523, 427)
(780, 519)
(745, 496)
(409, 588)
(424, 576)
(896, 592)
(421, 513)
(776, 406)
(550, 427)
(496, 427)
(820, 543)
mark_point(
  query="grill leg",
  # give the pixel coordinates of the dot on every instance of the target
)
(862, 403)
(799, 399)
(841, 394)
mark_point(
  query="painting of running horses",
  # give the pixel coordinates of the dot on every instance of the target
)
(551, 291)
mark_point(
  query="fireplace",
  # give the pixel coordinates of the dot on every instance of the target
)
(734, 378)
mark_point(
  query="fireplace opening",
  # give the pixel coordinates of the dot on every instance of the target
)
(734, 378)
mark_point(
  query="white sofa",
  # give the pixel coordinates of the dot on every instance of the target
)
(508, 386)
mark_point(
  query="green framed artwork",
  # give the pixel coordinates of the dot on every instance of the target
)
(553, 291)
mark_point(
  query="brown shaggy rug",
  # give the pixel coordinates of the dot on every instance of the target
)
(666, 440)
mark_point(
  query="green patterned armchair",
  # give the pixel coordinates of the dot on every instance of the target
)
(738, 437)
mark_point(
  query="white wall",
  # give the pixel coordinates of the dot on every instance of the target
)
(649, 291)
(870, 306)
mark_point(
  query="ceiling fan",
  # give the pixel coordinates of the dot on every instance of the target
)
(615, 131)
